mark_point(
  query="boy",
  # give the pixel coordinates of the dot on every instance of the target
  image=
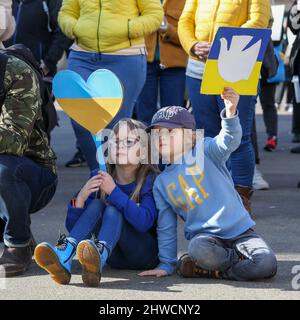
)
(222, 243)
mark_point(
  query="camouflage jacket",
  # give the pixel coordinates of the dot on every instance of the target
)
(20, 116)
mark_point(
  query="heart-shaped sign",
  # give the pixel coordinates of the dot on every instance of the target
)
(94, 103)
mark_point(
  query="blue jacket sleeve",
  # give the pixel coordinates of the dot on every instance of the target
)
(142, 216)
(228, 140)
(166, 233)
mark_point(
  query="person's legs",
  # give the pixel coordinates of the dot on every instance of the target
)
(210, 253)
(83, 64)
(243, 159)
(57, 260)
(25, 187)
(146, 104)
(111, 227)
(267, 99)
(85, 225)
(172, 87)
(92, 254)
(244, 258)
(131, 70)
(205, 109)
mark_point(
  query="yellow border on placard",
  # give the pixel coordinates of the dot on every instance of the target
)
(213, 83)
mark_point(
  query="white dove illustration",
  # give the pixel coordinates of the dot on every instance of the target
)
(235, 63)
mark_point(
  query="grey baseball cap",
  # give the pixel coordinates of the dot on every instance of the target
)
(173, 117)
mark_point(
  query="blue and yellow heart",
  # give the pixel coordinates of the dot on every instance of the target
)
(92, 103)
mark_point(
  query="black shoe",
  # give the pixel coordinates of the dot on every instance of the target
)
(296, 138)
(78, 160)
(32, 243)
(295, 150)
(15, 261)
(298, 186)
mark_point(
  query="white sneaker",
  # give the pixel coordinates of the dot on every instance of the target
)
(259, 183)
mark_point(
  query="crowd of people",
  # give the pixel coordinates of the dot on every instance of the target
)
(158, 49)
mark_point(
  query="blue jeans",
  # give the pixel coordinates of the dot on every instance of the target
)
(246, 257)
(25, 187)
(118, 236)
(131, 70)
(207, 108)
(171, 84)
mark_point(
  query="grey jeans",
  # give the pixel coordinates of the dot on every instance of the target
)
(245, 257)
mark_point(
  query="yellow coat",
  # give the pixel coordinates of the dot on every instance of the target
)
(201, 19)
(109, 25)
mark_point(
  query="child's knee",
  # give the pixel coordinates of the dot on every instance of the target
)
(265, 265)
(205, 252)
(111, 211)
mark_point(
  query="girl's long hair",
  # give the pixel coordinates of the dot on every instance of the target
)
(144, 169)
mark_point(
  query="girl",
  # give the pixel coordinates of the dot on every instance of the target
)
(117, 206)
(109, 34)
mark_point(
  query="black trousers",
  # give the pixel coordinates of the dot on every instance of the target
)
(267, 99)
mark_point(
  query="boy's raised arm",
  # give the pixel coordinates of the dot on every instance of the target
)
(229, 138)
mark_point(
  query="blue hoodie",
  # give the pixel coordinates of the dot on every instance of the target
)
(205, 198)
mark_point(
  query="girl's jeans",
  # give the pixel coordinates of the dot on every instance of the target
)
(129, 248)
(131, 70)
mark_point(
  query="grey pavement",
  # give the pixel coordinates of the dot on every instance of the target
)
(277, 213)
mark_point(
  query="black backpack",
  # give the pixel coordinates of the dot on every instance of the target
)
(49, 115)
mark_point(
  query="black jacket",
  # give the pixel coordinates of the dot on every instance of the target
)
(294, 25)
(37, 28)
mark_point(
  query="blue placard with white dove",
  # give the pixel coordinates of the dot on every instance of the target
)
(235, 60)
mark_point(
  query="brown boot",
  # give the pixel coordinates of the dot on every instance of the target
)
(15, 261)
(246, 195)
(187, 268)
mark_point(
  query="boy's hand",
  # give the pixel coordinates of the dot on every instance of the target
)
(154, 273)
(91, 186)
(231, 99)
(107, 183)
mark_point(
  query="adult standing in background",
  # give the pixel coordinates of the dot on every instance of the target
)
(166, 65)
(109, 34)
(37, 28)
(197, 27)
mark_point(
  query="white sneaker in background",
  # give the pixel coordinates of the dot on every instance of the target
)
(259, 183)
